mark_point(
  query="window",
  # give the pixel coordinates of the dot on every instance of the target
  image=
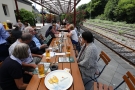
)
(5, 9)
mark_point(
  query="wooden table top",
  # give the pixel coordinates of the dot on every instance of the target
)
(38, 84)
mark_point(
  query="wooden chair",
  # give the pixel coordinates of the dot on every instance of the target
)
(106, 60)
(129, 79)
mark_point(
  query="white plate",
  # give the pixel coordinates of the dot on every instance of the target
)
(65, 80)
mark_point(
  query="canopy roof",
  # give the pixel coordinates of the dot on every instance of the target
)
(58, 6)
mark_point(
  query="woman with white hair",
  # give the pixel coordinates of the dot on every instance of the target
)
(11, 73)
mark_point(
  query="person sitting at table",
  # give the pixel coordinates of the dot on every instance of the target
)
(67, 25)
(12, 76)
(58, 25)
(73, 35)
(26, 26)
(51, 31)
(88, 56)
(21, 26)
(36, 45)
(15, 34)
(28, 63)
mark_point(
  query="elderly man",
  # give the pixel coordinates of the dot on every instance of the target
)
(30, 61)
(3, 43)
(36, 45)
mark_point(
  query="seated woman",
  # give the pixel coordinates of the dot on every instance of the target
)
(88, 56)
(73, 35)
(11, 73)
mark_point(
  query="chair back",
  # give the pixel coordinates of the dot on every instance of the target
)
(105, 57)
(129, 80)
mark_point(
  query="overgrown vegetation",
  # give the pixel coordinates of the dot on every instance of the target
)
(115, 10)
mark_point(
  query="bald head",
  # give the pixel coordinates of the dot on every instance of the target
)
(26, 37)
(30, 30)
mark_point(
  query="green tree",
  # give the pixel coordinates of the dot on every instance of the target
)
(83, 8)
(110, 9)
(96, 7)
(26, 16)
(125, 11)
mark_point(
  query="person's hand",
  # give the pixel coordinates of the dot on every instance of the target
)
(42, 46)
(40, 56)
(33, 65)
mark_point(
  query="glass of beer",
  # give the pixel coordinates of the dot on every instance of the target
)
(47, 52)
(57, 42)
(41, 69)
(68, 51)
(68, 48)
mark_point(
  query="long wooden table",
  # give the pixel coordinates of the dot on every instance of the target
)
(38, 84)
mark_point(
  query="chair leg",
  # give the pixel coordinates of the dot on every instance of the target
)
(119, 85)
(89, 81)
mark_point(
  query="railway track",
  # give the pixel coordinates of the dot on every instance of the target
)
(130, 36)
(127, 53)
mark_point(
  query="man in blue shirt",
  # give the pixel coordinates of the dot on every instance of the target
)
(3, 43)
(36, 45)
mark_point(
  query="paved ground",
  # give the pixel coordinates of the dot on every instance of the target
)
(113, 73)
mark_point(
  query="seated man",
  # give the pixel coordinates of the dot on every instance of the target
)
(11, 74)
(30, 62)
(36, 45)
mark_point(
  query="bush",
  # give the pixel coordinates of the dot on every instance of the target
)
(102, 17)
(26, 16)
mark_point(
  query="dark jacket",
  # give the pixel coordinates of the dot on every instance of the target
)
(49, 32)
(34, 49)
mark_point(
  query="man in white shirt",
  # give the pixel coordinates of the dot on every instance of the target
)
(30, 61)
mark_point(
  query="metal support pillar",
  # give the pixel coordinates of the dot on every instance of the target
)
(17, 10)
(74, 12)
(42, 14)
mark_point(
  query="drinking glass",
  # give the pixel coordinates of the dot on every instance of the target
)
(68, 48)
(57, 42)
(68, 51)
(41, 69)
(47, 52)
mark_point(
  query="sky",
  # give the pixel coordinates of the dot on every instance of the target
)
(80, 3)
(83, 2)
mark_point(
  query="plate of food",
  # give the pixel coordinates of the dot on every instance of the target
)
(58, 80)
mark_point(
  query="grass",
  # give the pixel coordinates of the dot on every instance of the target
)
(117, 24)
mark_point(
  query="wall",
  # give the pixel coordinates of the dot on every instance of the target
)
(11, 16)
(22, 5)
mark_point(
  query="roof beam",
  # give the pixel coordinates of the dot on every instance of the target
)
(50, 5)
(54, 4)
(60, 6)
(76, 4)
(69, 3)
(43, 6)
